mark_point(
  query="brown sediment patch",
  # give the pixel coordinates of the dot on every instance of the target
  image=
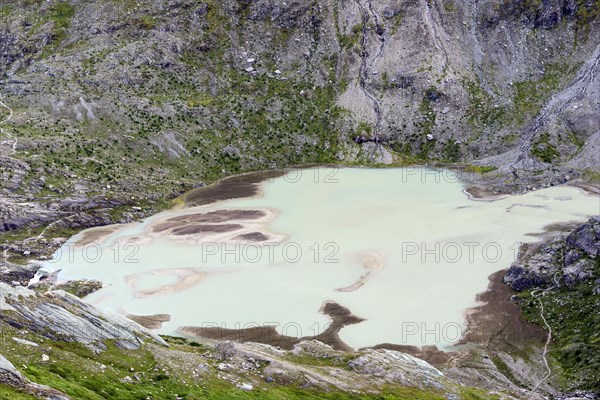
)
(187, 277)
(340, 316)
(589, 188)
(219, 216)
(164, 226)
(133, 240)
(498, 322)
(235, 225)
(482, 193)
(95, 235)
(194, 229)
(252, 237)
(234, 187)
(179, 229)
(150, 321)
(515, 205)
(550, 232)
(239, 186)
(371, 263)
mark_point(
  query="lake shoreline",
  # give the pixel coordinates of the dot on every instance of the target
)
(495, 299)
(249, 186)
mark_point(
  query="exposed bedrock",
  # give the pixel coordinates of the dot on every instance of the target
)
(61, 316)
(561, 261)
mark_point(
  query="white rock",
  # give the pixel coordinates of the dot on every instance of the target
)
(250, 60)
(429, 136)
(249, 69)
(224, 367)
(246, 386)
(25, 342)
(45, 358)
(277, 71)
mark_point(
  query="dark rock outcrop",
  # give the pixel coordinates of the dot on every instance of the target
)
(564, 260)
(14, 273)
(584, 241)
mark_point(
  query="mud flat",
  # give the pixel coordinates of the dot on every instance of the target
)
(340, 317)
(96, 235)
(150, 321)
(498, 320)
(226, 225)
(234, 187)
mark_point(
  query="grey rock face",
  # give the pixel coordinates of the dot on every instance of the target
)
(537, 270)
(578, 271)
(572, 259)
(578, 396)
(582, 252)
(394, 366)
(9, 374)
(370, 367)
(584, 241)
(22, 274)
(286, 15)
(314, 348)
(61, 316)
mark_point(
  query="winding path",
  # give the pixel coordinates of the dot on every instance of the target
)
(549, 338)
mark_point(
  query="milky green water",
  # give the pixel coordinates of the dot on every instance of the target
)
(430, 250)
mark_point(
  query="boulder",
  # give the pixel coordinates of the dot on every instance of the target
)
(584, 241)
(10, 376)
(315, 349)
(394, 366)
(22, 274)
(567, 260)
(578, 271)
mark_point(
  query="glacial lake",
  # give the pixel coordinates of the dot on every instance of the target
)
(405, 249)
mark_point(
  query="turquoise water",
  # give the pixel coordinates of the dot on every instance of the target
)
(407, 247)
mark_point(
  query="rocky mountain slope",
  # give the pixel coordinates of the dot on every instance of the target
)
(110, 107)
(560, 285)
